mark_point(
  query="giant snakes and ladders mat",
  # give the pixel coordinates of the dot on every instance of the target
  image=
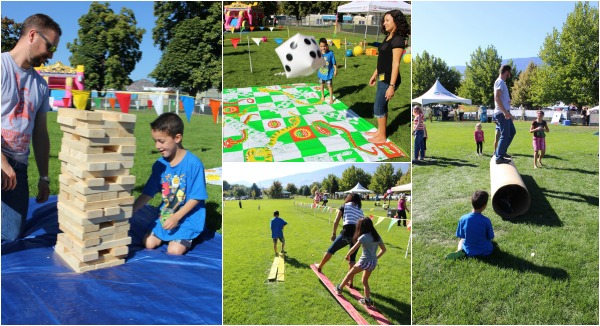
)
(290, 123)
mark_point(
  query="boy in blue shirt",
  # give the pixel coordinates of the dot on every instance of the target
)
(328, 71)
(277, 225)
(474, 230)
(179, 176)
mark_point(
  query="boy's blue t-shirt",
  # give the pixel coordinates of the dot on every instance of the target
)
(326, 72)
(277, 224)
(178, 184)
(478, 233)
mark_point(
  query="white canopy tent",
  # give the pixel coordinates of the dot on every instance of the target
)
(403, 188)
(439, 94)
(358, 189)
(374, 7)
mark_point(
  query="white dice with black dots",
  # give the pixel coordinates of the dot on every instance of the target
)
(300, 56)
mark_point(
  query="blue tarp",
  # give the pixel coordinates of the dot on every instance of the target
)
(152, 287)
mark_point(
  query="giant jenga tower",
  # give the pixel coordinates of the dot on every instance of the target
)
(95, 202)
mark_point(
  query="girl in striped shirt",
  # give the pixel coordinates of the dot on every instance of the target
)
(418, 133)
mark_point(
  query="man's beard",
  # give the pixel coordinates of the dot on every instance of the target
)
(38, 61)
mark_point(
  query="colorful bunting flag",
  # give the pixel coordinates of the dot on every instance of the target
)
(392, 222)
(256, 40)
(337, 43)
(271, 28)
(235, 42)
(80, 98)
(188, 106)
(112, 101)
(214, 107)
(124, 101)
(157, 102)
(381, 218)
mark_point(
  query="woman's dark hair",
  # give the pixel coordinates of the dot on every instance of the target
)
(402, 26)
(354, 198)
(364, 226)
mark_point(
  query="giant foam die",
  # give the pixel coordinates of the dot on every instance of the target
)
(371, 51)
(509, 195)
(300, 56)
(94, 201)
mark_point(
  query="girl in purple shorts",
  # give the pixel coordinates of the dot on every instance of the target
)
(539, 128)
(367, 237)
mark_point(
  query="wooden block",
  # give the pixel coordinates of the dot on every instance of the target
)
(129, 126)
(80, 114)
(102, 157)
(273, 272)
(66, 143)
(84, 132)
(77, 123)
(119, 251)
(109, 195)
(72, 225)
(123, 149)
(281, 270)
(75, 250)
(94, 166)
(108, 141)
(76, 214)
(82, 173)
(71, 261)
(116, 116)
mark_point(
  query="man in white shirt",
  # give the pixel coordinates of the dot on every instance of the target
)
(502, 115)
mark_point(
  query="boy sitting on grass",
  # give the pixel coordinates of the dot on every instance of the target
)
(474, 230)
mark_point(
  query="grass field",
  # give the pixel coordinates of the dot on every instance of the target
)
(350, 86)
(201, 137)
(302, 299)
(558, 284)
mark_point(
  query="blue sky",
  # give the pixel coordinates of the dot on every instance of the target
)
(67, 14)
(453, 30)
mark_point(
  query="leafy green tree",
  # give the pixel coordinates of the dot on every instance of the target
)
(383, 178)
(570, 56)
(239, 191)
(108, 45)
(353, 175)
(521, 91)
(482, 71)
(427, 69)
(406, 178)
(189, 34)
(10, 33)
(255, 189)
(226, 185)
(398, 176)
(291, 188)
(330, 184)
(304, 190)
(275, 191)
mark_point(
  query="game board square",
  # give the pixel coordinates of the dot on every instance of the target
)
(237, 156)
(273, 124)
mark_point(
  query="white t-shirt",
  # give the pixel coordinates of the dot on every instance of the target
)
(24, 94)
(504, 96)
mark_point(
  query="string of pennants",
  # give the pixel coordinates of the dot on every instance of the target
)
(186, 102)
(330, 209)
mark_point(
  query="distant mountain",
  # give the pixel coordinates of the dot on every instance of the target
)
(139, 85)
(307, 178)
(521, 63)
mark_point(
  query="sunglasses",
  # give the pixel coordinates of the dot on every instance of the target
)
(51, 48)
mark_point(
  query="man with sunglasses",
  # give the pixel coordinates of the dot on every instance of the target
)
(25, 101)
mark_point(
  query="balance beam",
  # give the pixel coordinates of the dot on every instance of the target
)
(342, 301)
(381, 320)
(510, 197)
(277, 272)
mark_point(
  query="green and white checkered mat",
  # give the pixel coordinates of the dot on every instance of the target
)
(290, 123)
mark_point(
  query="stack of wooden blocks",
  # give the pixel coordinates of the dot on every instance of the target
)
(95, 201)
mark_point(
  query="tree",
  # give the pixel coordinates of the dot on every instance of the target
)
(521, 91)
(255, 190)
(570, 56)
(108, 45)
(482, 71)
(427, 69)
(291, 188)
(398, 176)
(10, 33)
(304, 190)
(383, 178)
(275, 191)
(189, 34)
(405, 179)
(226, 185)
(353, 175)
(330, 184)
(239, 192)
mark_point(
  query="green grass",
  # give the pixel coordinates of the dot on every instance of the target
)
(302, 299)
(201, 137)
(350, 86)
(559, 285)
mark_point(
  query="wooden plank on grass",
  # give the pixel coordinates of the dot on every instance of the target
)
(273, 273)
(281, 269)
(342, 301)
(381, 320)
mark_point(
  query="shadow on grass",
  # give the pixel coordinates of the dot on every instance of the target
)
(234, 53)
(363, 109)
(295, 263)
(592, 200)
(346, 90)
(445, 162)
(401, 119)
(400, 311)
(214, 219)
(540, 212)
(582, 171)
(505, 260)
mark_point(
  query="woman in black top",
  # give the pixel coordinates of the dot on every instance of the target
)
(387, 74)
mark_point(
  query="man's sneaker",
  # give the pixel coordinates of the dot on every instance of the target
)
(507, 156)
(284, 252)
(367, 302)
(338, 290)
(456, 255)
(502, 160)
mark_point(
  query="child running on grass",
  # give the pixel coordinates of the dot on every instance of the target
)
(367, 237)
(474, 230)
(179, 176)
(539, 127)
(328, 71)
(479, 139)
(277, 224)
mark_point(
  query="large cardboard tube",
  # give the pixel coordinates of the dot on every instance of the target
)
(510, 197)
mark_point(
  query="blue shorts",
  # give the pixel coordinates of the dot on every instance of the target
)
(184, 242)
(342, 240)
(380, 107)
(328, 81)
(280, 239)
